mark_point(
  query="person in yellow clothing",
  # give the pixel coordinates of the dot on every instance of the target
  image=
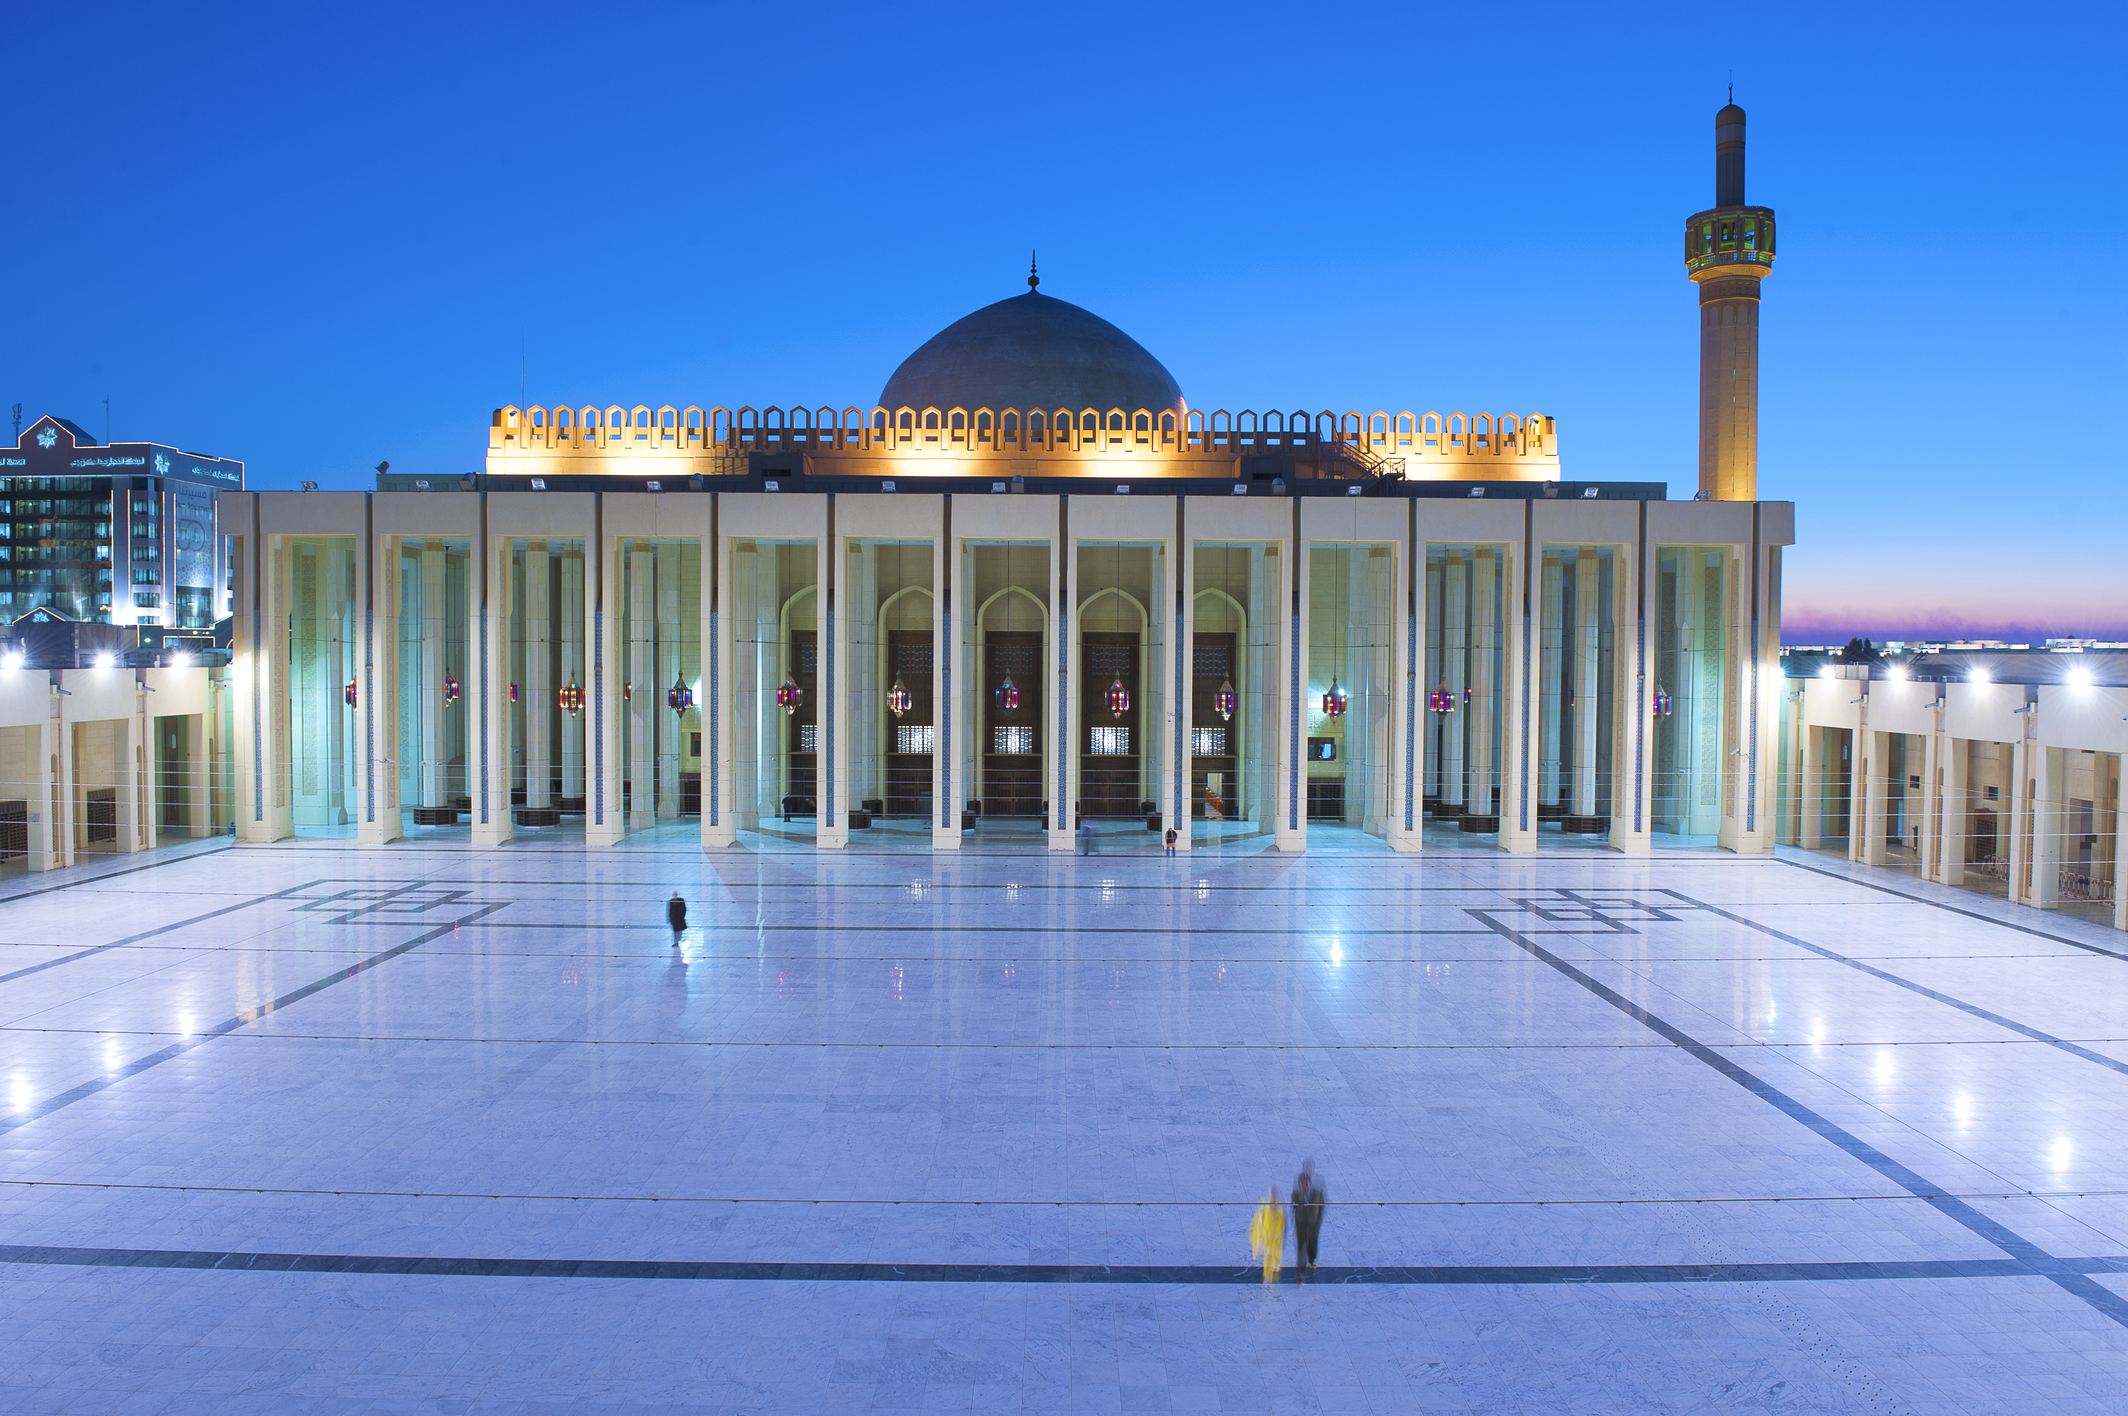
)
(1267, 1235)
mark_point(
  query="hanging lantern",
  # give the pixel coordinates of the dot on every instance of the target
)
(513, 693)
(1118, 698)
(899, 699)
(1224, 700)
(1662, 703)
(627, 692)
(679, 697)
(450, 690)
(790, 695)
(1441, 700)
(1334, 702)
(572, 697)
(1008, 697)
(348, 693)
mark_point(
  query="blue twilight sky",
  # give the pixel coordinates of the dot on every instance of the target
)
(315, 239)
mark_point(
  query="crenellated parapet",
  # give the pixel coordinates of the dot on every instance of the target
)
(1064, 442)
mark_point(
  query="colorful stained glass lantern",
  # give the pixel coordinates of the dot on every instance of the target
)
(1117, 698)
(627, 692)
(513, 693)
(1008, 697)
(1441, 700)
(450, 690)
(790, 695)
(899, 699)
(1334, 701)
(1224, 700)
(1662, 703)
(572, 698)
(349, 693)
(679, 697)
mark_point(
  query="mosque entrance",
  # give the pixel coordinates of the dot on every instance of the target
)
(910, 727)
(1109, 778)
(1012, 723)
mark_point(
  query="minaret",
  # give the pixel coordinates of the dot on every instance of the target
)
(1728, 251)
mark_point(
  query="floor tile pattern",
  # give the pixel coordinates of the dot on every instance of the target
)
(423, 1128)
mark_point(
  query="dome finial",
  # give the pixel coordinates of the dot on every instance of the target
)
(1032, 279)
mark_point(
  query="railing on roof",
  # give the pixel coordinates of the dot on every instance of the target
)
(1368, 441)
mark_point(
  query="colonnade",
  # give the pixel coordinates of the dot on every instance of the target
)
(815, 664)
(2011, 789)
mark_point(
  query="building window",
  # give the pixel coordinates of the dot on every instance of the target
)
(1210, 661)
(146, 601)
(1111, 742)
(809, 737)
(1012, 740)
(913, 738)
(1208, 742)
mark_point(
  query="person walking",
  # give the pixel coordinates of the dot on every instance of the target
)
(1308, 1201)
(1087, 845)
(1170, 840)
(676, 916)
(1267, 1235)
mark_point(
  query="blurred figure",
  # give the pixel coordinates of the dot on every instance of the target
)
(1171, 840)
(676, 916)
(1087, 845)
(1308, 1201)
(1267, 1235)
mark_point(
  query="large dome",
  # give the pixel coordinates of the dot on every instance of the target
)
(1032, 351)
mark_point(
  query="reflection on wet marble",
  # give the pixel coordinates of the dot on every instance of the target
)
(425, 1128)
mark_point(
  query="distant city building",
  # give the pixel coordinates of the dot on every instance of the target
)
(123, 533)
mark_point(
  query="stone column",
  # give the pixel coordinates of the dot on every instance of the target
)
(2120, 853)
(62, 809)
(334, 714)
(1517, 809)
(199, 809)
(1256, 715)
(1484, 639)
(607, 637)
(2050, 809)
(1552, 671)
(1931, 808)
(1811, 790)
(1455, 669)
(1956, 814)
(1588, 645)
(273, 688)
(429, 707)
(571, 618)
(128, 754)
(638, 707)
(1873, 768)
(536, 695)
(671, 625)
(2020, 814)
(486, 690)
(1432, 669)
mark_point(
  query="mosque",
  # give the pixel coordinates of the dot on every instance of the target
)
(1033, 586)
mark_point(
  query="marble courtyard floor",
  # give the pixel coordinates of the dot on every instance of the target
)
(313, 1128)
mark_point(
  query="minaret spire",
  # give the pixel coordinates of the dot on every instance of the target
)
(1032, 279)
(1728, 251)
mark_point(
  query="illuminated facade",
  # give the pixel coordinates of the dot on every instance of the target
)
(1029, 586)
(118, 534)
